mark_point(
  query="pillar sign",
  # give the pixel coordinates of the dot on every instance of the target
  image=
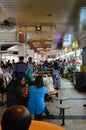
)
(21, 38)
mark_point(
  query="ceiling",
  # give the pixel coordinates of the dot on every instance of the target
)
(54, 17)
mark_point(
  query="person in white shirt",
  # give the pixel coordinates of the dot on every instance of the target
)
(2, 86)
(1, 72)
(7, 74)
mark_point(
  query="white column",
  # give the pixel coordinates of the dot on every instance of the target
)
(21, 49)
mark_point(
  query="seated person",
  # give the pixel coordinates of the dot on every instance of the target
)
(16, 117)
(44, 68)
(36, 103)
(15, 93)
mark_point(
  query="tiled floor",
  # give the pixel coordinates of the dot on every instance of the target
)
(75, 117)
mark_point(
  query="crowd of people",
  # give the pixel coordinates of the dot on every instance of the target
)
(20, 78)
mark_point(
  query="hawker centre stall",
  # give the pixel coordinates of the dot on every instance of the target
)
(80, 77)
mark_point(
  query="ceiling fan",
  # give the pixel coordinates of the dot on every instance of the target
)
(8, 24)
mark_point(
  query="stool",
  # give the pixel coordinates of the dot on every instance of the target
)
(62, 108)
(61, 99)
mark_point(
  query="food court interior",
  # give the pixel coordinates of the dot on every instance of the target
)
(49, 30)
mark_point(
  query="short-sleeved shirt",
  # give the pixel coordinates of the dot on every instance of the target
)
(36, 103)
(20, 69)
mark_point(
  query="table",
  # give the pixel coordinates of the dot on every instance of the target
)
(41, 125)
(53, 92)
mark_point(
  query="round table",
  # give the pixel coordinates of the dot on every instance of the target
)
(41, 125)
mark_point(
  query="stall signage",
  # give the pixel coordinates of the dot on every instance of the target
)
(82, 40)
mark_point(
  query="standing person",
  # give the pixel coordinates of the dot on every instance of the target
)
(8, 79)
(30, 64)
(7, 74)
(2, 76)
(73, 69)
(20, 67)
(55, 65)
(56, 79)
(16, 117)
(13, 62)
(29, 77)
(36, 103)
(2, 86)
(2, 63)
(10, 69)
(73, 66)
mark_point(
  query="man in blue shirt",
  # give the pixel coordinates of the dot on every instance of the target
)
(20, 68)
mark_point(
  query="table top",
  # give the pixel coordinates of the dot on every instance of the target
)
(41, 125)
(61, 106)
(53, 92)
(61, 98)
